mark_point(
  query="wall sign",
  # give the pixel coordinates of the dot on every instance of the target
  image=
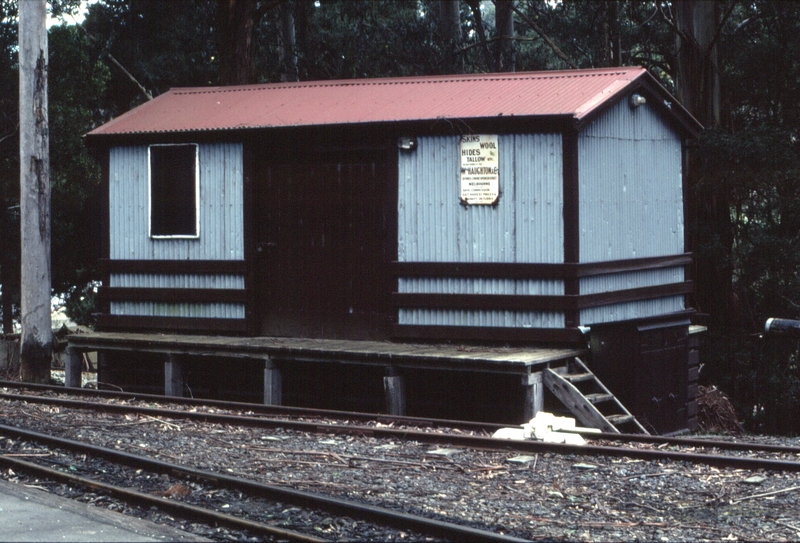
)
(480, 171)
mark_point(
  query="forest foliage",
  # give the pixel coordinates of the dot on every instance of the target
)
(125, 51)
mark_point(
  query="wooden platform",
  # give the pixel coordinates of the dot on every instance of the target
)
(527, 362)
(463, 358)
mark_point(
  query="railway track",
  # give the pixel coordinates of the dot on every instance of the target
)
(257, 409)
(186, 475)
(658, 448)
(617, 487)
(148, 500)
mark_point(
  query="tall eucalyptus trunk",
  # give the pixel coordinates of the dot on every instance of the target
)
(504, 20)
(36, 342)
(698, 89)
(288, 43)
(449, 12)
(235, 22)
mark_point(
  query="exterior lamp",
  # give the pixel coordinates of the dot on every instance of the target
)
(637, 100)
(406, 143)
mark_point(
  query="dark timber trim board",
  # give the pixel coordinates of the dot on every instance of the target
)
(234, 267)
(105, 220)
(569, 158)
(175, 324)
(509, 270)
(522, 302)
(391, 241)
(589, 269)
(252, 314)
(488, 333)
(521, 270)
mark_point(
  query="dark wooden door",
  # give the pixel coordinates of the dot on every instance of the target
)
(646, 367)
(323, 227)
(662, 370)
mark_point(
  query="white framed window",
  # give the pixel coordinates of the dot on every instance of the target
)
(174, 191)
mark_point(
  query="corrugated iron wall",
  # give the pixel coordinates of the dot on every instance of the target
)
(631, 206)
(221, 229)
(526, 225)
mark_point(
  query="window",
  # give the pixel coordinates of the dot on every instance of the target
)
(173, 191)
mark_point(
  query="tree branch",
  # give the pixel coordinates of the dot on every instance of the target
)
(725, 16)
(475, 5)
(671, 23)
(466, 48)
(126, 72)
(559, 53)
(689, 39)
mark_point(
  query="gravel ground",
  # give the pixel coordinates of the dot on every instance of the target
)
(539, 497)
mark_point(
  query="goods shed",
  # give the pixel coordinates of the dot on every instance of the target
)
(514, 208)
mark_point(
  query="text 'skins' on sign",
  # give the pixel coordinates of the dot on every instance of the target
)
(480, 177)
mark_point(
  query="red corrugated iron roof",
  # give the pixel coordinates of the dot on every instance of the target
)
(574, 93)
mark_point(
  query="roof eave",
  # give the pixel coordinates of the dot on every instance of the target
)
(665, 103)
(535, 123)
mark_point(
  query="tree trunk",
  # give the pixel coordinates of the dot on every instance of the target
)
(613, 45)
(235, 22)
(36, 343)
(449, 12)
(697, 77)
(504, 19)
(698, 89)
(475, 6)
(288, 44)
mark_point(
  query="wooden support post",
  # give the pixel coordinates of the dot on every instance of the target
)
(103, 368)
(395, 388)
(534, 395)
(173, 376)
(273, 393)
(73, 362)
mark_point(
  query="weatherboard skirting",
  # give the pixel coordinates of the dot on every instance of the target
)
(217, 310)
(176, 295)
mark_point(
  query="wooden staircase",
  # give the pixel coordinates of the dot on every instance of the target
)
(589, 400)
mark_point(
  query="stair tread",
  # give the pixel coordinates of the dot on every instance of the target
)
(575, 377)
(582, 402)
(599, 397)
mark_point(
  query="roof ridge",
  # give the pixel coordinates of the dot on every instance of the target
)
(409, 80)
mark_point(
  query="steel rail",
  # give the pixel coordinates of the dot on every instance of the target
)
(458, 439)
(438, 528)
(184, 510)
(384, 418)
(257, 407)
(692, 442)
(219, 418)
